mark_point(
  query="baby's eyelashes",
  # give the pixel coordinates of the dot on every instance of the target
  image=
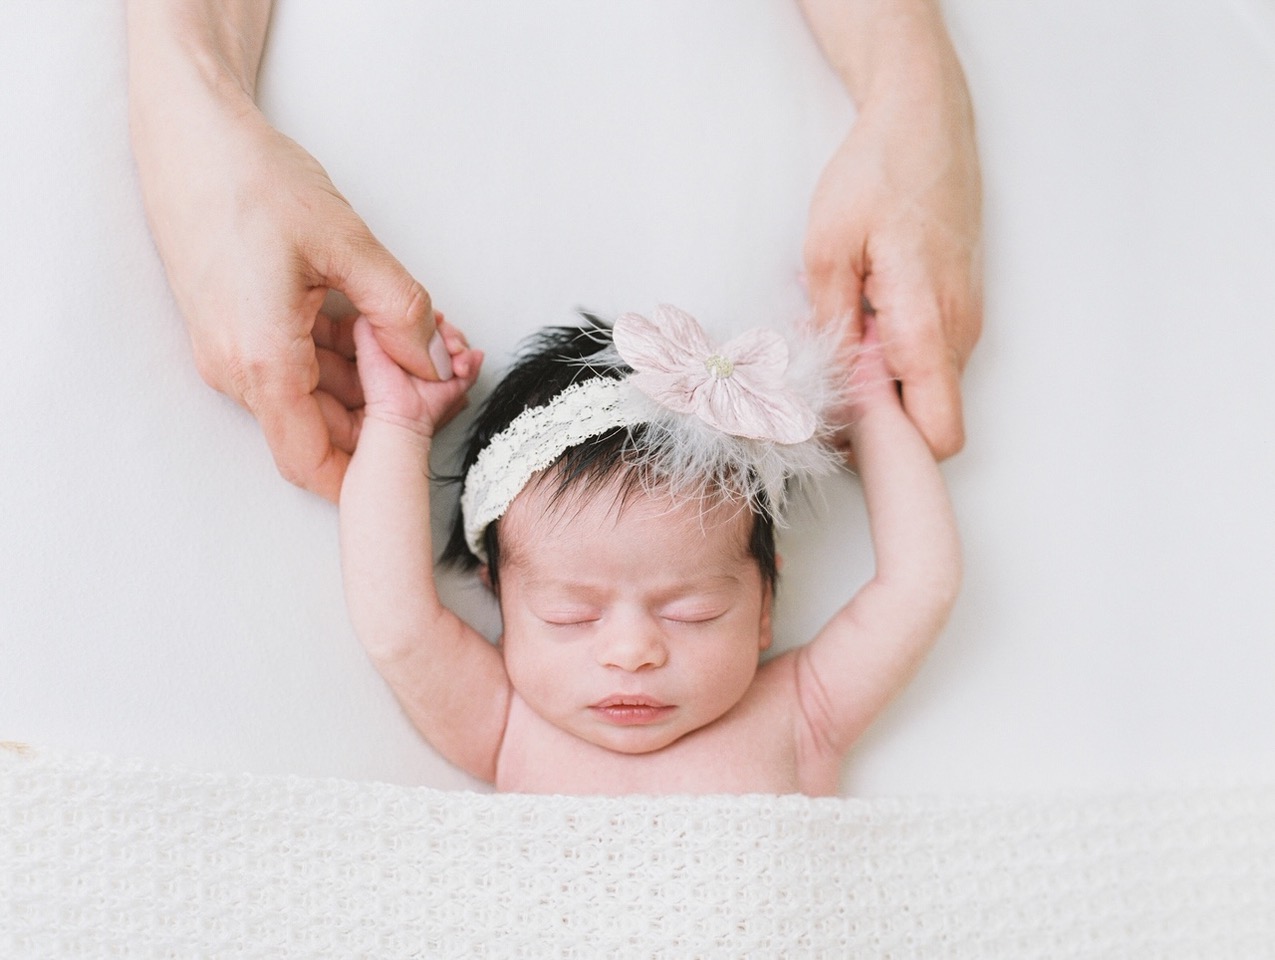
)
(570, 619)
(693, 614)
(687, 617)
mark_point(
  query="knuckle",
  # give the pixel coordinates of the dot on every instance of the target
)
(821, 262)
(209, 367)
(230, 369)
(920, 349)
(246, 371)
(240, 380)
(940, 421)
(313, 472)
(291, 471)
(420, 306)
(951, 442)
(297, 472)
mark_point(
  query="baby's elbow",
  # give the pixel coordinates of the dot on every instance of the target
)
(389, 648)
(940, 590)
(951, 580)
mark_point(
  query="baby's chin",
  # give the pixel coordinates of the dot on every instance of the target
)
(635, 740)
(632, 745)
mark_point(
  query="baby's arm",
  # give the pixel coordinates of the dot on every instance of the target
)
(872, 646)
(449, 679)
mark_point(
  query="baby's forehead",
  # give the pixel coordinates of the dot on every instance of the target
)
(547, 513)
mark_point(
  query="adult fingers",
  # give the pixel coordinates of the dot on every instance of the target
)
(835, 290)
(297, 430)
(929, 371)
(932, 394)
(339, 378)
(917, 306)
(441, 356)
(397, 306)
(342, 422)
(933, 400)
(335, 334)
(447, 341)
(965, 324)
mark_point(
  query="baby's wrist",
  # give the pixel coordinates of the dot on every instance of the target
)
(400, 426)
(880, 404)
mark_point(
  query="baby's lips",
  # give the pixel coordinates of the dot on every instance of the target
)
(439, 355)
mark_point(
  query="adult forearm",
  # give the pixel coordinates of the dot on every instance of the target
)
(192, 74)
(884, 49)
(174, 45)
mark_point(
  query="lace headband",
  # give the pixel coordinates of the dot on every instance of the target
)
(749, 412)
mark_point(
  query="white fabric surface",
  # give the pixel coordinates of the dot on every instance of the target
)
(121, 859)
(163, 594)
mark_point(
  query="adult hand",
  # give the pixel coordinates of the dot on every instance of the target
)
(252, 246)
(254, 235)
(895, 221)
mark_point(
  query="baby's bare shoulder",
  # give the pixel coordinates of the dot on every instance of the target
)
(768, 733)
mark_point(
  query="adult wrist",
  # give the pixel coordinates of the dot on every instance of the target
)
(184, 51)
(917, 64)
(885, 49)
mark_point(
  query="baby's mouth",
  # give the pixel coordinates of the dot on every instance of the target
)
(629, 710)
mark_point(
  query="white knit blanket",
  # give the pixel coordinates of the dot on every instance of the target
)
(105, 858)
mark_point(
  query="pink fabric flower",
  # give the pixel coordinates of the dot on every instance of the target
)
(739, 388)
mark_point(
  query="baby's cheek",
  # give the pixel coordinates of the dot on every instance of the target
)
(534, 671)
(729, 677)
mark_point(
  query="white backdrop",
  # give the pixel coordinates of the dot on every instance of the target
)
(163, 594)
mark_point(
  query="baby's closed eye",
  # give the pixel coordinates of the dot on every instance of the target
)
(569, 617)
(693, 613)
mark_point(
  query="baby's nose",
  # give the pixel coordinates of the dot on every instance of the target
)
(635, 644)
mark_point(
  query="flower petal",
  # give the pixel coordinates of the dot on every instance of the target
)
(680, 327)
(781, 416)
(763, 352)
(674, 391)
(647, 346)
(668, 355)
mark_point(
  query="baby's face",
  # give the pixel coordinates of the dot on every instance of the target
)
(630, 626)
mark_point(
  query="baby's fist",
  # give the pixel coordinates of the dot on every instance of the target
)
(393, 395)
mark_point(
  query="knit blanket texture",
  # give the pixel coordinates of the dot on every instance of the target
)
(114, 858)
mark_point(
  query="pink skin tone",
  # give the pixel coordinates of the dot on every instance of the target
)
(896, 217)
(633, 633)
(629, 625)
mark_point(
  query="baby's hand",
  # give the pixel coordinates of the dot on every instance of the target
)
(393, 395)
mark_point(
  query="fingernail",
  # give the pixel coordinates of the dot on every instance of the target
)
(442, 359)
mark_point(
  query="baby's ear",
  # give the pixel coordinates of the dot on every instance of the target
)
(484, 574)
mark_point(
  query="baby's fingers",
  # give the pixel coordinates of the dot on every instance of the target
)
(380, 375)
(467, 365)
(367, 348)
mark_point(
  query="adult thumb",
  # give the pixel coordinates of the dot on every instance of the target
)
(397, 306)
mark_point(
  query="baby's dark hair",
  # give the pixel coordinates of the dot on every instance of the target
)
(548, 362)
